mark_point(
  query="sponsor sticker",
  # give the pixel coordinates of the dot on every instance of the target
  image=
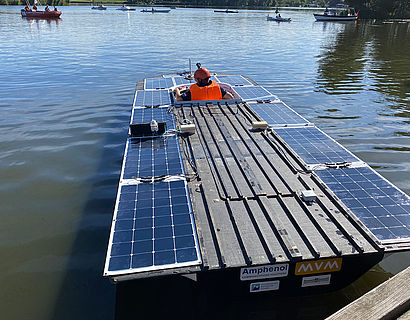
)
(318, 266)
(322, 280)
(264, 272)
(264, 286)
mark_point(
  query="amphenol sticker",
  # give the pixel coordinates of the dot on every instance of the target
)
(264, 272)
(264, 286)
(318, 266)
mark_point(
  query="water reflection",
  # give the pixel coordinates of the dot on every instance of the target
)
(368, 57)
(41, 22)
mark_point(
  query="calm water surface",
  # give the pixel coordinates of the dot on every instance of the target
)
(65, 99)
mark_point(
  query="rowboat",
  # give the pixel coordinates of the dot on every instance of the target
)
(41, 14)
(156, 10)
(278, 19)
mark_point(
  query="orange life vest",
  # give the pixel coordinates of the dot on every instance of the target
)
(211, 92)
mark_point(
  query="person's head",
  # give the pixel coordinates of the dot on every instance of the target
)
(202, 75)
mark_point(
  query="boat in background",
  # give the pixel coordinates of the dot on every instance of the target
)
(278, 19)
(100, 7)
(156, 10)
(126, 8)
(32, 12)
(341, 13)
(226, 11)
(41, 14)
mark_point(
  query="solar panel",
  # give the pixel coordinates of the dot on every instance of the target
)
(145, 115)
(234, 80)
(315, 147)
(152, 98)
(181, 80)
(278, 114)
(153, 228)
(254, 93)
(158, 83)
(380, 206)
(152, 157)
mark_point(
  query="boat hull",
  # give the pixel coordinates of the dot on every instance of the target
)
(41, 14)
(323, 17)
(156, 11)
(226, 11)
(278, 19)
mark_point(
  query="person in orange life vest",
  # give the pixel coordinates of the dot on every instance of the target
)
(203, 89)
(34, 8)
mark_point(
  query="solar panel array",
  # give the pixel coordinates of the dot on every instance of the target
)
(161, 114)
(152, 98)
(234, 80)
(278, 114)
(380, 206)
(315, 147)
(158, 83)
(181, 80)
(153, 228)
(254, 93)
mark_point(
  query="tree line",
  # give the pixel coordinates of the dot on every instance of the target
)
(381, 9)
(377, 9)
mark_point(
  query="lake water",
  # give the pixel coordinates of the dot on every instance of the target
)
(65, 98)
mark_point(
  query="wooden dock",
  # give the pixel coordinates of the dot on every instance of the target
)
(389, 300)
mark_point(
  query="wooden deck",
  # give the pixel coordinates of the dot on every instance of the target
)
(390, 300)
(248, 207)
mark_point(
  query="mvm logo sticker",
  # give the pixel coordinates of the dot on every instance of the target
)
(318, 266)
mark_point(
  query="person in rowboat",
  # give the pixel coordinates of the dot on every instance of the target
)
(203, 89)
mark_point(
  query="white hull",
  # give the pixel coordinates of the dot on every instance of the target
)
(323, 17)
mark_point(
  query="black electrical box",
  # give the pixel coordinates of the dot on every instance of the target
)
(144, 129)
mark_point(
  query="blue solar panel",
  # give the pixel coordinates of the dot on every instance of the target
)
(152, 157)
(145, 115)
(380, 206)
(158, 83)
(153, 227)
(278, 114)
(254, 93)
(234, 80)
(181, 80)
(152, 98)
(315, 147)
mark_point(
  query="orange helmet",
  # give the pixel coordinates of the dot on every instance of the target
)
(202, 73)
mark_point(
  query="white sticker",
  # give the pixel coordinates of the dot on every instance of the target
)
(264, 286)
(264, 272)
(316, 281)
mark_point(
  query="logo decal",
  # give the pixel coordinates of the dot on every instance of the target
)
(264, 272)
(264, 286)
(318, 266)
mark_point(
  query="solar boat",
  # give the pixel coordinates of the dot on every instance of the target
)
(246, 194)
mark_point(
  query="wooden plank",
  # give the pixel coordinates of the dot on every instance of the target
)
(228, 242)
(268, 235)
(251, 240)
(389, 300)
(211, 150)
